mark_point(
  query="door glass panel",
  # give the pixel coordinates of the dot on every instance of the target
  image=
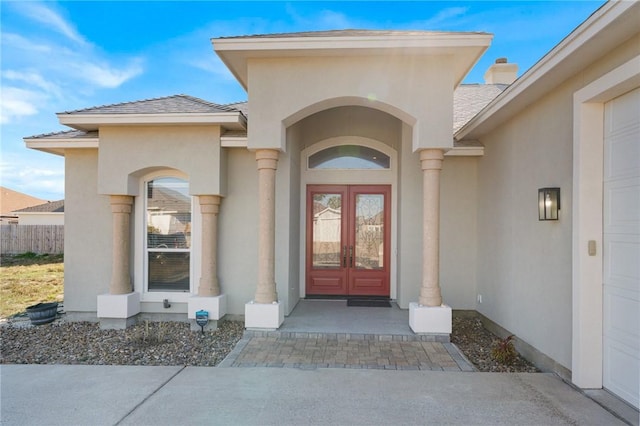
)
(327, 229)
(369, 232)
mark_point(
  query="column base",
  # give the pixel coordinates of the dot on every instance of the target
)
(430, 319)
(215, 305)
(117, 311)
(263, 316)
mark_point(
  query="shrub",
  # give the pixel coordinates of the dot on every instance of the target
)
(503, 350)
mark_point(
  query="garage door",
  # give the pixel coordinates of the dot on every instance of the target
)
(621, 331)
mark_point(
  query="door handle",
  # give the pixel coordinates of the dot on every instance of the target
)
(351, 256)
(344, 257)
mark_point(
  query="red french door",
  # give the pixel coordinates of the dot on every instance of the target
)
(348, 240)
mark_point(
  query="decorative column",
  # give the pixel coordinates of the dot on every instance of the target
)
(429, 315)
(209, 297)
(209, 207)
(267, 161)
(264, 312)
(120, 274)
(431, 162)
(117, 309)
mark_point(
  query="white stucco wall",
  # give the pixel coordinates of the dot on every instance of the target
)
(524, 265)
(88, 241)
(418, 90)
(458, 231)
(129, 152)
(238, 231)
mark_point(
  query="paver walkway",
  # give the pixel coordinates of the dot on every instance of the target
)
(331, 350)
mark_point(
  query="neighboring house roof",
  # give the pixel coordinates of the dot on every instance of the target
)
(176, 104)
(49, 207)
(11, 201)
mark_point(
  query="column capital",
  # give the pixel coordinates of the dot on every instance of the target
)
(431, 159)
(121, 203)
(267, 158)
(209, 204)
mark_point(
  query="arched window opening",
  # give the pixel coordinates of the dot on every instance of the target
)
(349, 157)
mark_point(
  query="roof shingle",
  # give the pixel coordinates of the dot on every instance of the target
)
(176, 104)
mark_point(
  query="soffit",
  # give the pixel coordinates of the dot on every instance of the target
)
(465, 48)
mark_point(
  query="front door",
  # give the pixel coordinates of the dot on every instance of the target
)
(348, 240)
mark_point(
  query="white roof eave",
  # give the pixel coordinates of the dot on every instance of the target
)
(89, 122)
(235, 52)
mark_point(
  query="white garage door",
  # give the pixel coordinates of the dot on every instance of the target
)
(621, 369)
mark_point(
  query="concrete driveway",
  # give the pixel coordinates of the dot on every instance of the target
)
(128, 395)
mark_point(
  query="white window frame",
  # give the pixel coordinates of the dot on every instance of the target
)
(140, 244)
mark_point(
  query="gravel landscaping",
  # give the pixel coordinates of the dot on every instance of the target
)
(172, 343)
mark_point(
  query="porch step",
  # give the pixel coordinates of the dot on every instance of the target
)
(436, 337)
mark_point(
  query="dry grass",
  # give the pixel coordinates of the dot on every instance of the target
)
(29, 279)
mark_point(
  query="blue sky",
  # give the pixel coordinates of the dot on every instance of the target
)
(59, 56)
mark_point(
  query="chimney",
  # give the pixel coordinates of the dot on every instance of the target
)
(501, 72)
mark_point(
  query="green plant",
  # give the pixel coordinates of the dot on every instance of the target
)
(503, 350)
(27, 255)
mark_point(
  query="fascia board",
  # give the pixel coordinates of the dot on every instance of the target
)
(58, 146)
(397, 41)
(530, 86)
(235, 53)
(93, 121)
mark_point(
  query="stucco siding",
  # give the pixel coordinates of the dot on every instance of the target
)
(524, 265)
(88, 241)
(129, 152)
(409, 223)
(238, 231)
(284, 91)
(458, 233)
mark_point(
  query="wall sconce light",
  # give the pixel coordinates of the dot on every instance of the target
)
(548, 203)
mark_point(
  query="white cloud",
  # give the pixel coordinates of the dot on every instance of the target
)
(44, 14)
(443, 18)
(33, 78)
(18, 42)
(24, 174)
(18, 103)
(104, 75)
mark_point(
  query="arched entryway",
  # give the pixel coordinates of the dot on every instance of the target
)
(348, 229)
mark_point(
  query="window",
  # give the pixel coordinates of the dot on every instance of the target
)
(349, 157)
(168, 234)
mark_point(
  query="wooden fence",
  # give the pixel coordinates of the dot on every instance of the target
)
(40, 239)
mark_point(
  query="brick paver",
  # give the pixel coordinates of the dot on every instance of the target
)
(317, 350)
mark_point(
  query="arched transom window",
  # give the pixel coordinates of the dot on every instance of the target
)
(349, 157)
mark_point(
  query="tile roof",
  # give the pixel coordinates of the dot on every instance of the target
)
(350, 33)
(50, 207)
(176, 104)
(470, 99)
(66, 134)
